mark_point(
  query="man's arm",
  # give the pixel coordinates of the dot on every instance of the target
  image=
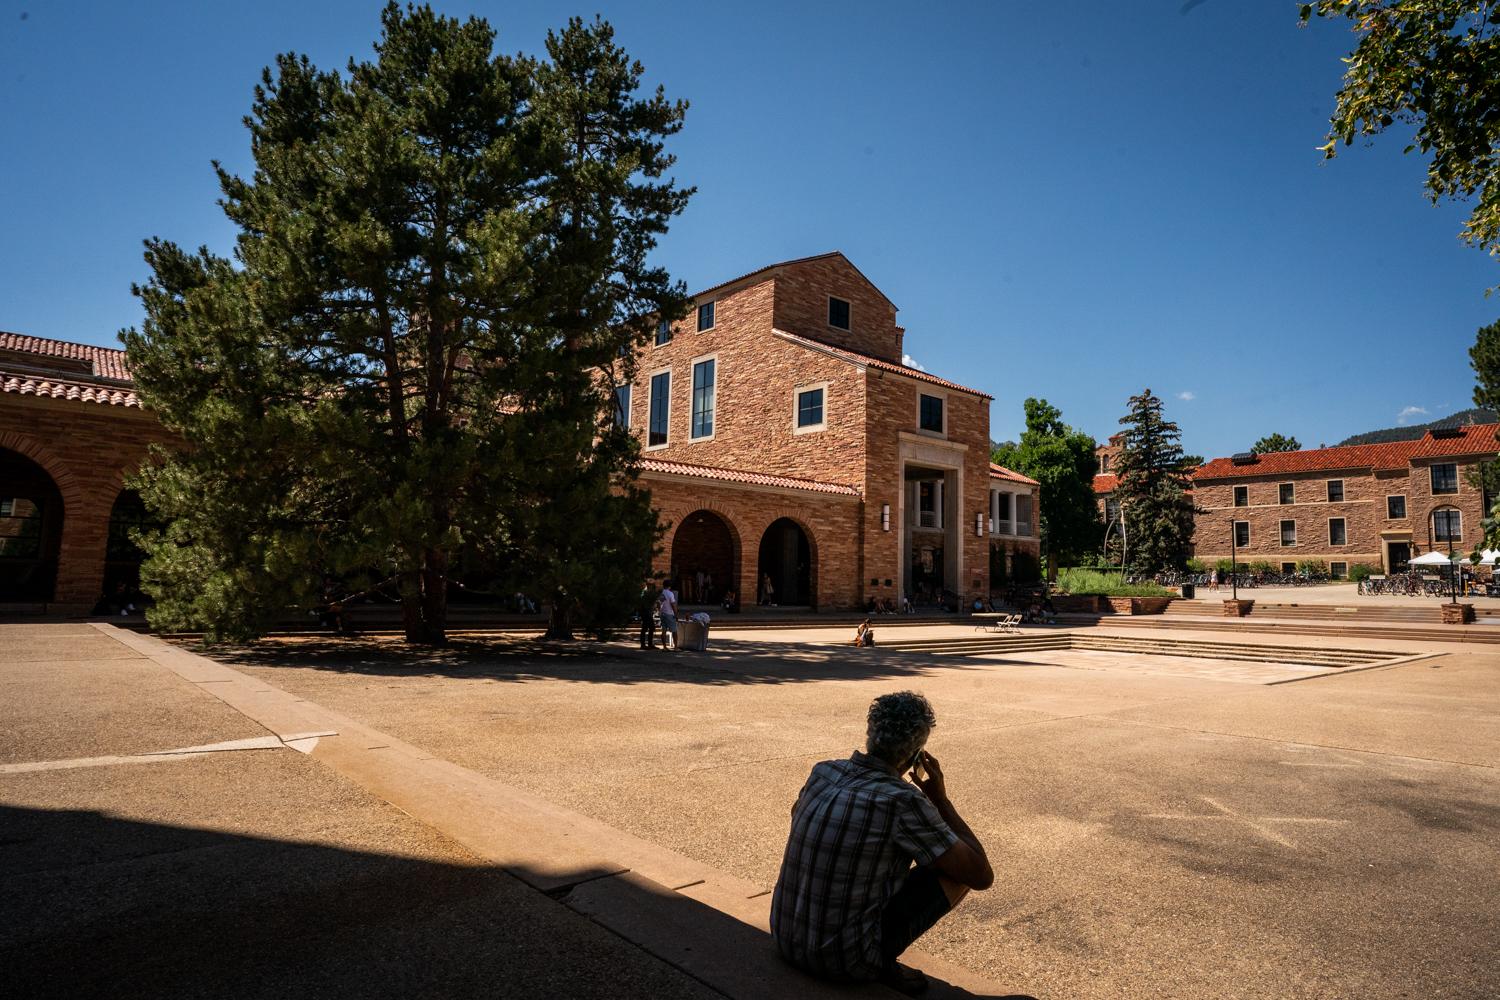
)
(965, 862)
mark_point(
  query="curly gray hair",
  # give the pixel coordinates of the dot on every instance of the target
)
(898, 726)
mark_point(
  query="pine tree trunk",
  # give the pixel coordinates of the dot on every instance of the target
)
(559, 619)
(411, 607)
(435, 597)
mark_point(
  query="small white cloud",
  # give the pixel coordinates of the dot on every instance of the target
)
(1187, 395)
(1410, 413)
(911, 362)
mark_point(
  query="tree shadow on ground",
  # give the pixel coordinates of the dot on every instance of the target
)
(513, 658)
(102, 906)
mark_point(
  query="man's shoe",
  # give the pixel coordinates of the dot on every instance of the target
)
(903, 980)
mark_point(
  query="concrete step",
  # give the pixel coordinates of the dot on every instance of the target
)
(1147, 645)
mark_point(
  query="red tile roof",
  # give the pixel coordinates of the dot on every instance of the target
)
(1474, 439)
(1106, 483)
(738, 476)
(106, 362)
(30, 385)
(880, 363)
(1001, 472)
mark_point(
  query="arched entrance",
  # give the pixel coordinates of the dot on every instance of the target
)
(31, 516)
(122, 557)
(786, 559)
(704, 559)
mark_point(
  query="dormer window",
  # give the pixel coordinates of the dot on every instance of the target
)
(705, 317)
(838, 313)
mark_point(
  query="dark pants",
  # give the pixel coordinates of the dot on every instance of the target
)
(911, 911)
(648, 629)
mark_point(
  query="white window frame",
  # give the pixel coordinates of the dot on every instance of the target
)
(650, 392)
(797, 403)
(692, 370)
(629, 388)
(1453, 511)
(1328, 487)
(713, 315)
(1234, 497)
(829, 314)
(656, 340)
(1338, 574)
(1345, 522)
(1404, 512)
(935, 394)
(1281, 532)
(1286, 503)
(1236, 529)
(1431, 489)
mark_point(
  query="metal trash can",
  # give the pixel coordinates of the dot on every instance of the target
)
(691, 635)
(1189, 590)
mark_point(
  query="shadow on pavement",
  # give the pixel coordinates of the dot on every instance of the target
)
(100, 906)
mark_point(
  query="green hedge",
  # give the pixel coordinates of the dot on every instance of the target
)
(1090, 581)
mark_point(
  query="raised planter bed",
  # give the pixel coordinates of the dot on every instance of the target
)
(1138, 605)
(1078, 603)
(1237, 608)
(1458, 614)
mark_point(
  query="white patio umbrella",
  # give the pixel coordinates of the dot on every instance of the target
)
(1489, 557)
(1435, 559)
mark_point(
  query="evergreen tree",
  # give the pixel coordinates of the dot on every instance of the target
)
(1484, 358)
(1062, 460)
(1273, 443)
(413, 357)
(1153, 476)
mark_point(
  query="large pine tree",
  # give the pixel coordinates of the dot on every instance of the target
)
(440, 275)
(1153, 476)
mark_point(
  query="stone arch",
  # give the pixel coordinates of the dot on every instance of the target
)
(31, 528)
(122, 557)
(67, 483)
(788, 554)
(705, 541)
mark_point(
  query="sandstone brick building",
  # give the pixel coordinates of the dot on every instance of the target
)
(1378, 504)
(783, 441)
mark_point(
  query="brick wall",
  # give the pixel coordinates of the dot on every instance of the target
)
(802, 292)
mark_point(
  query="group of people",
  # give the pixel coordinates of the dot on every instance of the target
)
(887, 606)
(658, 609)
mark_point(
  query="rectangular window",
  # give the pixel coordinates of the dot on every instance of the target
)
(661, 408)
(1111, 511)
(810, 408)
(1447, 525)
(1338, 570)
(1023, 513)
(1338, 533)
(705, 317)
(1444, 478)
(1335, 490)
(1002, 509)
(1289, 568)
(1288, 532)
(622, 405)
(838, 313)
(930, 415)
(663, 332)
(1242, 533)
(929, 504)
(703, 399)
(1288, 493)
(1395, 507)
(1242, 496)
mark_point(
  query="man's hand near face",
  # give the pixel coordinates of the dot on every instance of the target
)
(965, 862)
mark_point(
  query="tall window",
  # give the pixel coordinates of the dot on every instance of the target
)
(930, 416)
(838, 313)
(1338, 533)
(1111, 511)
(1023, 513)
(1288, 532)
(1002, 509)
(661, 408)
(703, 399)
(622, 405)
(1242, 496)
(1288, 493)
(1447, 525)
(1445, 478)
(1335, 490)
(705, 317)
(663, 332)
(1395, 507)
(1241, 533)
(810, 408)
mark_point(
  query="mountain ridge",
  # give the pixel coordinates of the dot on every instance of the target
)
(1473, 415)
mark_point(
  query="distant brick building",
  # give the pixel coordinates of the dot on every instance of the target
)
(783, 442)
(1378, 504)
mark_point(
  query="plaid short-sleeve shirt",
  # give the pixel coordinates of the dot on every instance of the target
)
(856, 830)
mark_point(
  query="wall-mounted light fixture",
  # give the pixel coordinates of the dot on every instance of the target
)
(992, 525)
(885, 517)
(978, 524)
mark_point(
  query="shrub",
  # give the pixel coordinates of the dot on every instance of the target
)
(1362, 571)
(1263, 566)
(1224, 565)
(1088, 581)
(1196, 565)
(1314, 568)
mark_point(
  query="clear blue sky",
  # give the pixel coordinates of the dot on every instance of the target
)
(1072, 201)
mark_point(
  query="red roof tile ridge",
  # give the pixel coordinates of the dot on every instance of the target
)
(109, 362)
(744, 476)
(1470, 439)
(34, 385)
(881, 363)
(1001, 472)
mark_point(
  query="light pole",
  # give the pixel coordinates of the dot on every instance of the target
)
(1234, 562)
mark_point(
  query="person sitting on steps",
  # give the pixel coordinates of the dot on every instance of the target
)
(873, 861)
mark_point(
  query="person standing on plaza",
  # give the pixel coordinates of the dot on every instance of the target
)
(668, 616)
(646, 607)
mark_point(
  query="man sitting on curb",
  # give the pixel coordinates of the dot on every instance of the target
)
(848, 900)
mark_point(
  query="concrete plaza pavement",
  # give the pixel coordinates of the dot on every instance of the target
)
(1157, 829)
